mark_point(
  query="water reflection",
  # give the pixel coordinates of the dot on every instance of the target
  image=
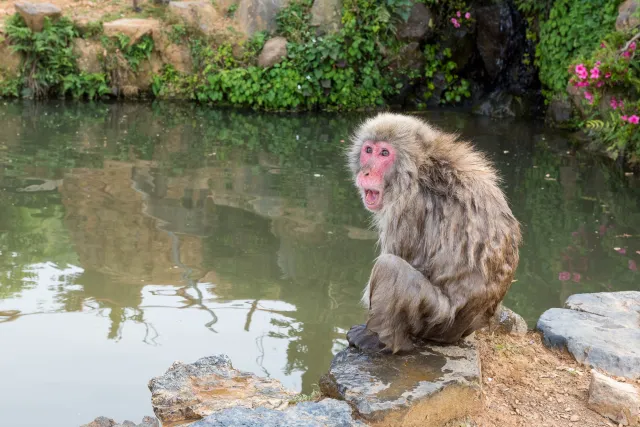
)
(134, 235)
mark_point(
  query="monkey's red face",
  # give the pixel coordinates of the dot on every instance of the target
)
(376, 159)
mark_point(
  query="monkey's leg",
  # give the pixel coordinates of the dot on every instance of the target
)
(405, 305)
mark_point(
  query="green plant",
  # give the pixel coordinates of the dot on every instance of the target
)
(9, 86)
(573, 28)
(232, 10)
(177, 34)
(440, 72)
(90, 85)
(48, 56)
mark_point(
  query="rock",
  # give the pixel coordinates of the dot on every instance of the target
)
(133, 28)
(10, 61)
(326, 15)
(495, 32)
(429, 386)
(627, 18)
(87, 24)
(108, 422)
(411, 57)
(88, 53)
(34, 14)
(327, 412)
(193, 391)
(620, 402)
(258, 15)
(508, 322)
(601, 330)
(139, 83)
(274, 51)
(501, 104)
(419, 26)
(178, 56)
(200, 15)
(559, 111)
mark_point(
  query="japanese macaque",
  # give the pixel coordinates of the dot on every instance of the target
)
(449, 242)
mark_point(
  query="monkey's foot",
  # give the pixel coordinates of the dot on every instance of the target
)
(366, 340)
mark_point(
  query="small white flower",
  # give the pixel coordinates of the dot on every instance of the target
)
(299, 87)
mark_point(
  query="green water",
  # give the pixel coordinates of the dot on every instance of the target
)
(135, 235)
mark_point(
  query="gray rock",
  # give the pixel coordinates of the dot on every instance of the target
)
(559, 112)
(495, 36)
(108, 422)
(627, 16)
(620, 402)
(500, 104)
(508, 322)
(419, 26)
(273, 52)
(434, 383)
(326, 15)
(328, 412)
(258, 15)
(601, 330)
(188, 392)
(34, 14)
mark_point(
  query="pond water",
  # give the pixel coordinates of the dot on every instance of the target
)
(135, 235)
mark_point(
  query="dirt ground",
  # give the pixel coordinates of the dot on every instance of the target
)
(526, 384)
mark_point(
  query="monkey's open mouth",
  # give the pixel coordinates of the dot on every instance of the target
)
(372, 199)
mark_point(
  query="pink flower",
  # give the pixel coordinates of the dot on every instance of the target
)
(581, 71)
(564, 276)
(598, 63)
(626, 54)
(589, 97)
(595, 73)
(632, 265)
(600, 84)
(458, 14)
(613, 103)
(634, 119)
(581, 84)
(620, 250)
(632, 46)
(576, 277)
(602, 45)
(455, 22)
(467, 15)
(608, 75)
(624, 118)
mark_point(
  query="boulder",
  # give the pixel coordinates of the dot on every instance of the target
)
(559, 112)
(258, 15)
(133, 28)
(34, 13)
(9, 60)
(200, 15)
(620, 402)
(508, 322)
(326, 413)
(108, 422)
(419, 26)
(188, 392)
(601, 330)
(495, 34)
(273, 52)
(139, 83)
(326, 15)
(178, 56)
(501, 104)
(428, 386)
(627, 17)
(88, 53)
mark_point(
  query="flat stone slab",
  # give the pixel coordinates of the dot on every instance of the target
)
(601, 330)
(427, 387)
(326, 413)
(34, 13)
(134, 28)
(189, 392)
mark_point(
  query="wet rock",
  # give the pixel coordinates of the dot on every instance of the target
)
(274, 51)
(326, 413)
(419, 26)
(200, 15)
(495, 34)
(627, 16)
(34, 14)
(508, 322)
(429, 386)
(559, 112)
(501, 104)
(620, 402)
(601, 330)
(188, 392)
(108, 422)
(326, 15)
(411, 57)
(258, 15)
(133, 28)
(88, 54)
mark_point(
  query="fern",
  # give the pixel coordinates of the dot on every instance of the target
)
(595, 124)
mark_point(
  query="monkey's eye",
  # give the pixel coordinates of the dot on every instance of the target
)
(384, 152)
(369, 150)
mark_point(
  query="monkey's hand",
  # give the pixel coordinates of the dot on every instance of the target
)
(364, 339)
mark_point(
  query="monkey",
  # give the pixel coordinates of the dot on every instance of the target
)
(448, 240)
